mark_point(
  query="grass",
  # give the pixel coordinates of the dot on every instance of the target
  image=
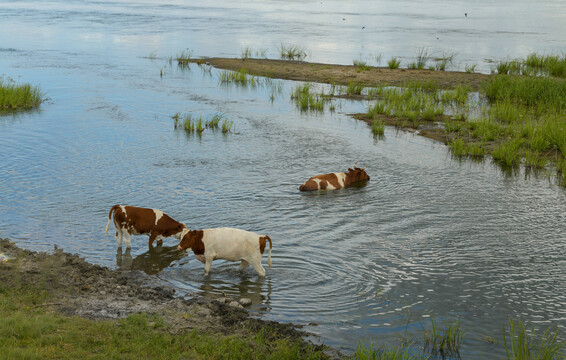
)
(306, 100)
(399, 352)
(394, 63)
(446, 341)
(28, 331)
(378, 128)
(241, 78)
(354, 89)
(193, 124)
(184, 57)
(522, 343)
(470, 69)
(361, 65)
(15, 97)
(292, 52)
(534, 65)
(246, 53)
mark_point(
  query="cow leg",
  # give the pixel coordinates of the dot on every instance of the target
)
(128, 238)
(244, 264)
(256, 263)
(159, 240)
(119, 234)
(201, 258)
(207, 264)
(152, 237)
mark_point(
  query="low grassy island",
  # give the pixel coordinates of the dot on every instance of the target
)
(517, 115)
(14, 97)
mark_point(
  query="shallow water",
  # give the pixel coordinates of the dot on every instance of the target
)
(427, 238)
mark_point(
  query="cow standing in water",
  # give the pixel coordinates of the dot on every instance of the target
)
(131, 220)
(335, 180)
(227, 244)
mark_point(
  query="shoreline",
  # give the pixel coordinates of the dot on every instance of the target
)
(344, 74)
(76, 287)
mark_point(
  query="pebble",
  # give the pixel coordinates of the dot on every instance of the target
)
(245, 301)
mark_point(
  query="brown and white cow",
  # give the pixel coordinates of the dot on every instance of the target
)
(227, 244)
(335, 180)
(141, 221)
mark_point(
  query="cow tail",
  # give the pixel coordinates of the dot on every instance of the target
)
(269, 255)
(110, 217)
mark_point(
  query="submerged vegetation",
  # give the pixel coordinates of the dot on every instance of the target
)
(197, 124)
(292, 52)
(18, 96)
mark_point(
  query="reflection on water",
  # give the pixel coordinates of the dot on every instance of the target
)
(152, 262)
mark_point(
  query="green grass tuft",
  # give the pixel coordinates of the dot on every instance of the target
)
(18, 96)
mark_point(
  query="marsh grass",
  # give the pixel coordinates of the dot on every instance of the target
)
(241, 78)
(394, 63)
(15, 97)
(422, 58)
(306, 100)
(397, 352)
(470, 69)
(378, 128)
(354, 88)
(246, 53)
(361, 65)
(292, 52)
(184, 57)
(197, 124)
(446, 341)
(522, 343)
(508, 153)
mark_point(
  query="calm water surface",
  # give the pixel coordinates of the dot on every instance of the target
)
(429, 237)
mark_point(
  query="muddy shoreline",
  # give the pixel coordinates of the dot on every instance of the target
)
(344, 74)
(78, 288)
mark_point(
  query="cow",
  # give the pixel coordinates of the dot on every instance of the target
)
(335, 180)
(228, 244)
(130, 220)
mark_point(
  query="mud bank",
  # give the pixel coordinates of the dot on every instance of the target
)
(78, 288)
(344, 74)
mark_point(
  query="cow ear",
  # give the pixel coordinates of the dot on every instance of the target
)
(350, 170)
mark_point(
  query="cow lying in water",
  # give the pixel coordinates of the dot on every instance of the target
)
(141, 221)
(335, 180)
(228, 244)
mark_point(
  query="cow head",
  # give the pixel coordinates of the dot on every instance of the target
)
(191, 239)
(179, 231)
(356, 174)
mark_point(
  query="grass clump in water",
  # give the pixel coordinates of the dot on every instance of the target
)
(523, 344)
(197, 124)
(184, 57)
(241, 78)
(394, 63)
(444, 342)
(18, 96)
(305, 100)
(292, 52)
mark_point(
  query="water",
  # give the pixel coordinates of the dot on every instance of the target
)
(428, 237)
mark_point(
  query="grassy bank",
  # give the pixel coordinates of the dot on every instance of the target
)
(18, 96)
(29, 331)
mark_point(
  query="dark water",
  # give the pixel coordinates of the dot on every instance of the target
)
(429, 237)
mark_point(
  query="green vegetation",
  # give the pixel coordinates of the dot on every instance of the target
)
(535, 65)
(361, 65)
(354, 89)
(184, 57)
(241, 78)
(522, 343)
(18, 96)
(193, 124)
(28, 331)
(305, 99)
(246, 53)
(378, 128)
(444, 342)
(394, 63)
(292, 52)
(470, 68)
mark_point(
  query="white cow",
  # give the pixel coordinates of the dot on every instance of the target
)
(227, 244)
